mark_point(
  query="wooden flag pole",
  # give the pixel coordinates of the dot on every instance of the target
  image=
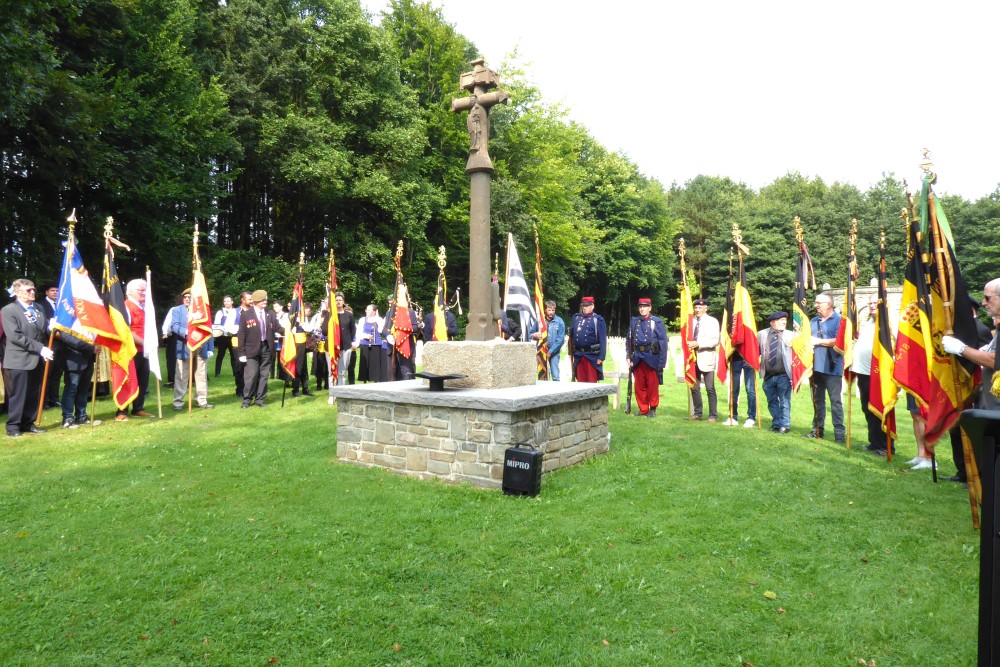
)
(52, 338)
(159, 399)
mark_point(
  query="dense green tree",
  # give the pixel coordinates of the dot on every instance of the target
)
(115, 120)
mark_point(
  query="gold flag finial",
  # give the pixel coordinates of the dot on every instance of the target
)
(853, 234)
(797, 223)
(109, 227)
(72, 222)
(302, 259)
(926, 163)
(738, 240)
(442, 258)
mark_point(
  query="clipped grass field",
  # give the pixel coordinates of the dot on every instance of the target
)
(235, 537)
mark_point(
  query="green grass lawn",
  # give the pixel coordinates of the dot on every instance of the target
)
(235, 537)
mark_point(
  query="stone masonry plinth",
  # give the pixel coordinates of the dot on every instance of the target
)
(459, 435)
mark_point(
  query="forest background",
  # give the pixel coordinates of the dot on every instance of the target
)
(288, 126)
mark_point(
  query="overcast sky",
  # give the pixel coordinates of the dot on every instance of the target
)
(844, 91)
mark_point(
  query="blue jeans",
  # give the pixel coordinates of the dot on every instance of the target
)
(74, 395)
(741, 367)
(554, 368)
(778, 389)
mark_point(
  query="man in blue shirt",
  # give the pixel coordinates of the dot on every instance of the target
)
(828, 369)
(556, 331)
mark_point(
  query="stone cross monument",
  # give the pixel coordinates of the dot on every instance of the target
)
(479, 82)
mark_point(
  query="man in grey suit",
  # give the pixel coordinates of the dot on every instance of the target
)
(776, 370)
(25, 326)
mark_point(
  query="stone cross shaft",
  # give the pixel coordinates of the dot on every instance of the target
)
(479, 82)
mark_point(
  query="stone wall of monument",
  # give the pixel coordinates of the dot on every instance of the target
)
(462, 444)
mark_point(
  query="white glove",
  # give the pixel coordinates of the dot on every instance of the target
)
(52, 324)
(390, 339)
(952, 345)
(243, 360)
(210, 354)
(47, 354)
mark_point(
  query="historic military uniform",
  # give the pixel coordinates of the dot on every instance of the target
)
(646, 347)
(589, 336)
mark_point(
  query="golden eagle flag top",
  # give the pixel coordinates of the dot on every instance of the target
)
(542, 346)
(952, 380)
(802, 351)
(725, 340)
(884, 390)
(289, 344)
(847, 332)
(440, 331)
(124, 385)
(744, 329)
(687, 316)
(399, 313)
(333, 341)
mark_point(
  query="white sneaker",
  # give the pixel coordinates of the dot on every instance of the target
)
(915, 460)
(749, 423)
(925, 464)
(730, 422)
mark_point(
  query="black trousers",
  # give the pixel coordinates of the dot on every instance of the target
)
(876, 437)
(707, 378)
(23, 391)
(301, 379)
(255, 376)
(224, 344)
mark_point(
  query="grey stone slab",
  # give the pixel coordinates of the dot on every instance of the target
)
(510, 399)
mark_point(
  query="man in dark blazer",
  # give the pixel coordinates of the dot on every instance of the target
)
(25, 326)
(255, 342)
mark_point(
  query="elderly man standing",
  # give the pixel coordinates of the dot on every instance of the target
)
(828, 370)
(589, 336)
(182, 359)
(25, 325)
(255, 345)
(704, 341)
(776, 370)
(135, 301)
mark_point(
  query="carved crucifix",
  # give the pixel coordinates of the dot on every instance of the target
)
(480, 83)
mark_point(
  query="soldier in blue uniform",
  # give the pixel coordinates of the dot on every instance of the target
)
(589, 336)
(646, 347)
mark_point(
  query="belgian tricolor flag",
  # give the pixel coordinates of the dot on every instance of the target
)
(124, 385)
(743, 334)
(883, 395)
(802, 350)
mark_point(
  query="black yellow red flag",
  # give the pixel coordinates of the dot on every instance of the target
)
(802, 351)
(124, 384)
(884, 390)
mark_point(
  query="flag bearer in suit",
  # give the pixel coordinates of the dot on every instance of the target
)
(705, 342)
(255, 345)
(646, 346)
(25, 326)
